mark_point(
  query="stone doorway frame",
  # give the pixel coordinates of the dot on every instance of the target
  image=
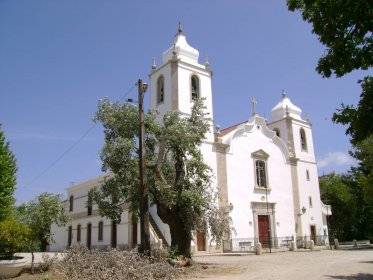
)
(260, 208)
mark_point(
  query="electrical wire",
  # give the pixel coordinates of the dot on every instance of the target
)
(73, 145)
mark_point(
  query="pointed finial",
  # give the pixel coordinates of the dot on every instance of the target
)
(253, 105)
(283, 94)
(154, 66)
(179, 29)
(207, 63)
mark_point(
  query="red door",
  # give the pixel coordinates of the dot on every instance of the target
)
(201, 241)
(263, 225)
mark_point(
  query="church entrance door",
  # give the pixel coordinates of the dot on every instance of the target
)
(201, 241)
(263, 226)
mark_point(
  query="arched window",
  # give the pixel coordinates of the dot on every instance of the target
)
(100, 231)
(160, 89)
(194, 86)
(260, 172)
(303, 140)
(277, 131)
(307, 175)
(78, 233)
(71, 201)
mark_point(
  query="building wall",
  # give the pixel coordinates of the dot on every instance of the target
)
(241, 183)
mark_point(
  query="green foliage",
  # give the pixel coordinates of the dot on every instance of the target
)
(177, 177)
(351, 198)
(40, 214)
(345, 28)
(359, 120)
(8, 171)
(14, 237)
(335, 191)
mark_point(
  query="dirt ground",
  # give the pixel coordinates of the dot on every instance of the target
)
(309, 265)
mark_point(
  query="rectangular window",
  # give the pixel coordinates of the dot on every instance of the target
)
(261, 177)
(78, 232)
(100, 231)
(69, 236)
(307, 175)
(71, 201)
(89, 205)
(310, 201)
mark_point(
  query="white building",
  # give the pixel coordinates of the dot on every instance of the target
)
(265, 169)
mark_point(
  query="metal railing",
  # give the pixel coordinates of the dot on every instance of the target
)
(282, 242)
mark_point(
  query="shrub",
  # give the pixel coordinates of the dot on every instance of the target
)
(14, 237)
(81, 264)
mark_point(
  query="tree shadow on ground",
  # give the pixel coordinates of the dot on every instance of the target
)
(359, 276)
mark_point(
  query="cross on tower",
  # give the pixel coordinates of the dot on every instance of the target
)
(253, 105)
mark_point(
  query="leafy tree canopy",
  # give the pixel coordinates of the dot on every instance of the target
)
(177, 177)
(40, 213)
(345, 28)
(8, 171)
(359, 120)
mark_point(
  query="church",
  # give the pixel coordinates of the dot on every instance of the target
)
(265, 170)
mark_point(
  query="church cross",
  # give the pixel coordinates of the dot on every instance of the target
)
(253, 105)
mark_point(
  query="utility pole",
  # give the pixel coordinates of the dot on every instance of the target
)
(144, 206)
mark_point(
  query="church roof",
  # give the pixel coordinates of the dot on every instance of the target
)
(228, 129)
(285, 107)
(181, 49)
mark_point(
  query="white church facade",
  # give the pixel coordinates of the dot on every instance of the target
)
(265, 169)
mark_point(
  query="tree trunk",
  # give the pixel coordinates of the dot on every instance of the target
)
(180, 238)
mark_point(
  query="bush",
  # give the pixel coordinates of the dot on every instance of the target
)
(81, 264)
(14, 237)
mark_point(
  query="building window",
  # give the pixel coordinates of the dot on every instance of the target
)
(78, 233)
(89, 205)
(194, 85)
(307, 175)
(303, 140)
(310, 201)
(160, 89)
(71, 208)
(69, 236)
(100, 231)
(260, 171)
(277, 131)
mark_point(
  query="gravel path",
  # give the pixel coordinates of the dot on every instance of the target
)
(309, 265)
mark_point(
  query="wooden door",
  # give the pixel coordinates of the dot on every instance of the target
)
(89, 235)
(113, 235)
(201, 241)
(313, 233)
(263, 226)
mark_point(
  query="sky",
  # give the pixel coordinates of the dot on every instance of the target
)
(58, 58)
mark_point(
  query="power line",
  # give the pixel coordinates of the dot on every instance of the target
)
(72, 146)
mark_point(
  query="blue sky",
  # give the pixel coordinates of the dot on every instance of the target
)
(57, 58)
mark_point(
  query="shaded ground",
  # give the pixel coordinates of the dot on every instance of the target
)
(310, 265)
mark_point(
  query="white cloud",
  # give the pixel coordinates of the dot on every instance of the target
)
(335, 159)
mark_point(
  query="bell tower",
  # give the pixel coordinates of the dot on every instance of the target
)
(180, 79)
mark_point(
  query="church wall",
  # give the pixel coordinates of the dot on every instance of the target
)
(241, 182)
(310, 188)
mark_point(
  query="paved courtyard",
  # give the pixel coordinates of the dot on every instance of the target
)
(308, 265)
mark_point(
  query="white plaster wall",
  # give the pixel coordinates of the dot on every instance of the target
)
(241, 182)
